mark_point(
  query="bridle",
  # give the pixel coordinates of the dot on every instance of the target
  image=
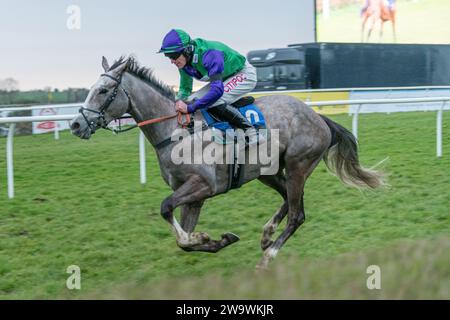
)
(101, 112)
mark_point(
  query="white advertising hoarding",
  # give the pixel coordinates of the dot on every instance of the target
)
(50, 126)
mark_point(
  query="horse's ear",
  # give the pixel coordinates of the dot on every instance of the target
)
(105, 64)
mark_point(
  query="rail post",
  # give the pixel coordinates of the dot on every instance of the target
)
(142, 158)
(9, 160)
(56, 131)
(355, 121)
(439, 130)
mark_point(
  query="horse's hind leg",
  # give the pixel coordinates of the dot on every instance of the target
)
(371, 26)
(297, 173)
(277, 182)
(271, 226)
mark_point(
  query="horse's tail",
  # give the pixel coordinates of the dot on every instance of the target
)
(342, 159)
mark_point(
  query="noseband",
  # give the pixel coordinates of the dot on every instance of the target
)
(101, 112)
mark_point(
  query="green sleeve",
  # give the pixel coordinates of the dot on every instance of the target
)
(186, 82)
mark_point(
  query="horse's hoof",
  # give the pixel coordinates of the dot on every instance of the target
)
(187, 249)
(262, 266)
(231, 237)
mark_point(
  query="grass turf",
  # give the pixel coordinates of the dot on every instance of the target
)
(80, 203)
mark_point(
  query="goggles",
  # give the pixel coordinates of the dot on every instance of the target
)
(173, 55)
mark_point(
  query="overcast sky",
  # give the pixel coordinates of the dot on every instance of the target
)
(38, 49)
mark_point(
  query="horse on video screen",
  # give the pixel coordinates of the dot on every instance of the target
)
(376, 11)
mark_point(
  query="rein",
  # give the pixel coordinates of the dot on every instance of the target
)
(179, 116)
(167, 141)
(111, 98)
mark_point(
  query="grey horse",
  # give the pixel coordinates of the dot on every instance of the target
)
(304, 139)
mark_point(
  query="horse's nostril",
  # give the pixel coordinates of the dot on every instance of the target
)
(75, 126)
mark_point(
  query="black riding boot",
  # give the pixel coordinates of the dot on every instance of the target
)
(224, 112)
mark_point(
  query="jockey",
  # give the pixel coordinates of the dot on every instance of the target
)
(390, 4)
(229, 75)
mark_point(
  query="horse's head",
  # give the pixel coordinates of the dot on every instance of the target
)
(107, 100)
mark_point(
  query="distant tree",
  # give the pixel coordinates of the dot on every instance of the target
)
(9, 84)
(9, 94)
(70, 95)
(81, 94)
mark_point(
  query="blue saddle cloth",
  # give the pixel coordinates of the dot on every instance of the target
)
(251, 112)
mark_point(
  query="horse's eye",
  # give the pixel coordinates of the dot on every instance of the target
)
(103, 91)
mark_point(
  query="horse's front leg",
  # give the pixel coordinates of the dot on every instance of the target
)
(363, 27)
(381, 30)
(191, 194)
(193, 191)
(393, 26)
(189, 215)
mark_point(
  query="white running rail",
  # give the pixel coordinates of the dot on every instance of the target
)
(359, 103)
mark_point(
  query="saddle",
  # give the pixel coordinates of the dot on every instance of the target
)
(246, 107)
(223, 133)
(244, 101)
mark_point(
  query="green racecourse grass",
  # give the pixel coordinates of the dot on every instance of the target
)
(422, 21)
(80, 203)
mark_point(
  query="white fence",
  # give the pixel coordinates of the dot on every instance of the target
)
(44, 126)
(424, 90)
(442, 105)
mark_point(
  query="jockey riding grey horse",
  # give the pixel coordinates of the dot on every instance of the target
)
(305, 138)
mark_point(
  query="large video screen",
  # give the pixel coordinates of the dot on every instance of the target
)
(383, 21)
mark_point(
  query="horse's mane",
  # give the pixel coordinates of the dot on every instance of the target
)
(145, 74)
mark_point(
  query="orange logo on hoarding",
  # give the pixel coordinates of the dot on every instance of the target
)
(47, 125)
